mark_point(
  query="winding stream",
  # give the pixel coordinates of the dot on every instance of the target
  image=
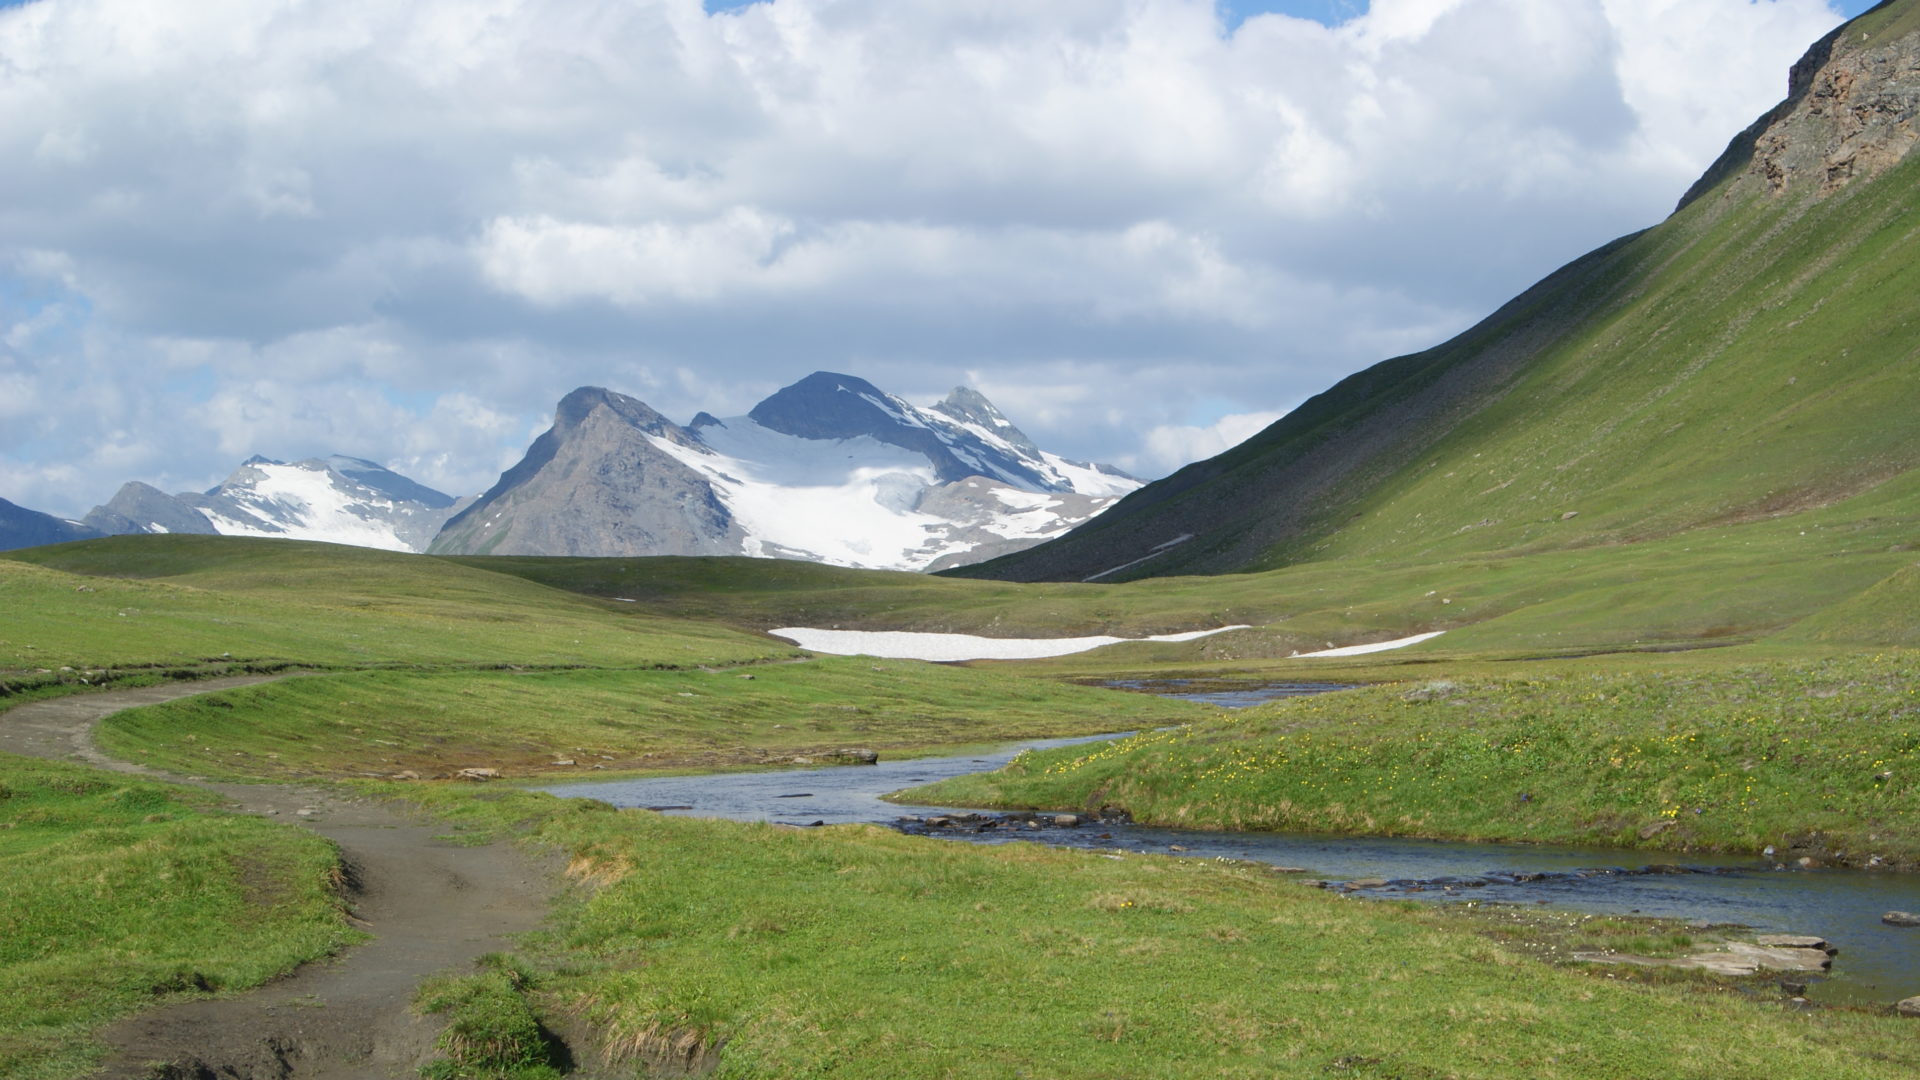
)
(1876, 964)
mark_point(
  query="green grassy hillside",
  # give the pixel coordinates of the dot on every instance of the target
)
(1755, 357)
(185, 602)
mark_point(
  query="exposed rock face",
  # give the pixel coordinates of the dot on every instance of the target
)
(982, 511)
(138, 508)
(1850, 114)
(596, 483)
(23, 528)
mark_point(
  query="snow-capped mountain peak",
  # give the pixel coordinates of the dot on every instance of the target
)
(962, 436)
(342, 500)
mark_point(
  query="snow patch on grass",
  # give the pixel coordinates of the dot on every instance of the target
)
(909, 645)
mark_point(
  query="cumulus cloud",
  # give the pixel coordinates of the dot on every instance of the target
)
(1169, 446)
(404, 230)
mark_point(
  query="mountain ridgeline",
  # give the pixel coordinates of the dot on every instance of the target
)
(340, 500)
(831, 469)
(1755, 355)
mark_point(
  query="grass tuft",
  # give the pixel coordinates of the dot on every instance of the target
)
(492, 1031)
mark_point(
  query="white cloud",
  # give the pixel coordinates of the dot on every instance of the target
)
(1169, 446)
(295, 227)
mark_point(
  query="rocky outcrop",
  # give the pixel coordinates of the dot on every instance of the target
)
(1736, 958)
(1850, 114)
(1448, 449)
(143, 508)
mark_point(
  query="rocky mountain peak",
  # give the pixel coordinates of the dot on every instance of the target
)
(970, 406)
(828, 405)
(578, 406)
(1851, 112)
(379, 478)
(139, 507)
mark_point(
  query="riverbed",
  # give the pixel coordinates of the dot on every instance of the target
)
(1876, 964)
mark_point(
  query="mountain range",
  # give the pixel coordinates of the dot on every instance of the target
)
(831, 469)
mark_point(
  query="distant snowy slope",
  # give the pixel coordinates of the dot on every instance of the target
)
(340, 500)
(962, 436)
(863, 502)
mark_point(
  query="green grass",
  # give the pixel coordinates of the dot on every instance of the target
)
(118, 893)
(1728, 759)
(192, 604)
(491, 1032)
(383, 722)
(1724, 584)
(859, 952)
(181, 601)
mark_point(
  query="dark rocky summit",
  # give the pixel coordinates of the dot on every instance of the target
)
(825, 405)
(23, 528)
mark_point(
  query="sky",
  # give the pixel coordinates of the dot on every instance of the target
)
(1144, 228)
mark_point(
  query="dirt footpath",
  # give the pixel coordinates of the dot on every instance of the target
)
(430, 906)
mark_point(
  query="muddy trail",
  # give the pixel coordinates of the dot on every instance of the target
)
(430, 907)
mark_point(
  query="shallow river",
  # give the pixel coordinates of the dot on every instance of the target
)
(1876, 963)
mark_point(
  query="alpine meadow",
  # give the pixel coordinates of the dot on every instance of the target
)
(1626, 575)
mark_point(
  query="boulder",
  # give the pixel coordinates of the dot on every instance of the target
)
(1067, 821)
(1737, 958)
(1908, 1007)
(1900, 918)
(477, 774)
(1796, 941)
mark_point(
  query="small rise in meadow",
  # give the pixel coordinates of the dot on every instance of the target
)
(118, 893)
(578, 723)
(182, 602)
(1819, 758)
